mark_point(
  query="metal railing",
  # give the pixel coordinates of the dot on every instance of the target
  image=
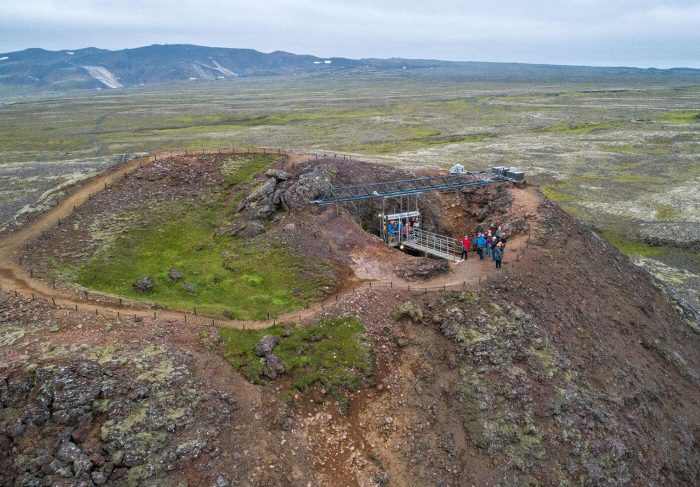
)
(433, 243)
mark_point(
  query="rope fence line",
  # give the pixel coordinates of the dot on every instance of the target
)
(85, 301)
(138, 309)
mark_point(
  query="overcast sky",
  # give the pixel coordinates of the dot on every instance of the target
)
(592, 32)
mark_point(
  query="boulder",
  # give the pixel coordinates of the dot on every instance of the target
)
(272, 367)
(278, 174)
(260, 203)
(277, 197)
(144, 285)
(248, 229)
(261, 209)
(189, 287)
(266, 189)
(265, 345)
(175, 275)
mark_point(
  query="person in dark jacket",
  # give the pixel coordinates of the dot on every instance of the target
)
(503, 241)
(480, 244)
(493, 244)
(466, 243)
(498, 255)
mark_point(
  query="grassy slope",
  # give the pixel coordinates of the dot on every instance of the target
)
(333, 352)
(230, 277)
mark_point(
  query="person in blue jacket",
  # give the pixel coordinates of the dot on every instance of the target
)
(480, 244)
(391, 228)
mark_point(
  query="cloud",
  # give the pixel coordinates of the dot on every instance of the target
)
(556, 31)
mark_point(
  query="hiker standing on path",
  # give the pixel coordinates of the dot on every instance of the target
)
(498, 255)
(488, 244)
(466, 243)
(480, 244)
(493, 244)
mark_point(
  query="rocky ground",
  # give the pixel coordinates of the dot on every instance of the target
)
(571, 368)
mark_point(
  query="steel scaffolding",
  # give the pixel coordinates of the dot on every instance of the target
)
(405, 187)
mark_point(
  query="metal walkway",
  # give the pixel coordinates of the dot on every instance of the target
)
(404, 187)
(433, 244)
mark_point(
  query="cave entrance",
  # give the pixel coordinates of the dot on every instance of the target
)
(400, 225)
(399, 218)
(403, 227)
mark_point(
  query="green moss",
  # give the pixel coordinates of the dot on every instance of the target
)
(10, 335)
(471, 412)
(544, 360)
(667, 213)
(429, 138)
(332, 352)
(526, 444)
(469, 297)
(287, 397)
(240, 168)
(408, 310)
(639, 179)
(554, 195)
(678, 116)
(587, 128)
(103, 355)
(629, 246)
(251, 278)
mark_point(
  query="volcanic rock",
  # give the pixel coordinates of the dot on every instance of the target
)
(310, 186)
(422, 268)
(175, 275)
(248, 229)
(265, 345)
(273, 367)
(278, 174)
(144, 285)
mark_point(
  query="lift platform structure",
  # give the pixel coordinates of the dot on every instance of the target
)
(402, 227)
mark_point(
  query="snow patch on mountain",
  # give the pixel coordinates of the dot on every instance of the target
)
(104, 76)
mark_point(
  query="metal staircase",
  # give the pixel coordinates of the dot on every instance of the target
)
(433, 244)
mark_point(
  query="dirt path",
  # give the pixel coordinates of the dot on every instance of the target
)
(13, 276)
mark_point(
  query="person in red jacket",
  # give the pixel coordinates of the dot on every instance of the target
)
(466, 243)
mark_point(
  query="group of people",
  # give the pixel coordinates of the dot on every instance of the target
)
(395, 229)
(492, 244)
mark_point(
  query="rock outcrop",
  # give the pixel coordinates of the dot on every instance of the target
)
(309, 186)
(280, 191)
(421, 268)
(272, 366)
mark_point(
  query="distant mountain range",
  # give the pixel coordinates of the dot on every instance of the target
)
(39, 70)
